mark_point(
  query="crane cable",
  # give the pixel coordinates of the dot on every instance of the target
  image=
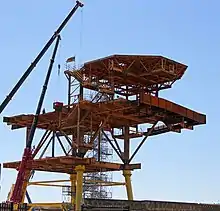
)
(80, 38)
(59, 59)
(57, 86)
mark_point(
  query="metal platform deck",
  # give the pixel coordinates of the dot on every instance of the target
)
(67, 164)
(122, 112)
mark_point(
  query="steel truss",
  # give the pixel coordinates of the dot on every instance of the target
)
(125, 96)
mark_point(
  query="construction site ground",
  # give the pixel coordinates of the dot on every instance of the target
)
(107, 205)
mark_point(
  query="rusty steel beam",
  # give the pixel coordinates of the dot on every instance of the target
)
(66, 164)
(174, 113)
(126, 145)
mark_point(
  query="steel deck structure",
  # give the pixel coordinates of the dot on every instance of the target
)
(126, 96)
(145, 110)
(67, 164)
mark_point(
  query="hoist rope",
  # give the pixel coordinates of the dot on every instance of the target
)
(58, 70)
(80, 39)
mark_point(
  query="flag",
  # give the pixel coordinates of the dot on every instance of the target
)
(71, 59)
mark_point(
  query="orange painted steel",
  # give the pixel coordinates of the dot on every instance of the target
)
(138, 76)
(127, 91)
(67, 164)
(122, 112)
(192, 117)
(139, 69)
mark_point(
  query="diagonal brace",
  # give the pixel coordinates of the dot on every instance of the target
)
(98, 130)
(42, 142)
(113, 146)
(116, 142)
(61, 144)
(67, 138)
(142, 142)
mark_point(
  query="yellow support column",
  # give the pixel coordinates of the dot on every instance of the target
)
(73, 188)
(15, 207)
(79, 186)
(127, 174)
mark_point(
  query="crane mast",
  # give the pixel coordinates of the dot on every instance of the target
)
(24, 168)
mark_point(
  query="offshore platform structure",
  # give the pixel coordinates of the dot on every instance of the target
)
(126, 96)
(130, 85)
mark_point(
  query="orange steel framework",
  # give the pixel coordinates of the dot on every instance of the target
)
(126, 95)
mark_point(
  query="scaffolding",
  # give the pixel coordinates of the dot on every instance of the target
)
(101, 150)
(105, 154)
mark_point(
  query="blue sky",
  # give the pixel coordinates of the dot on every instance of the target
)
(181, 167)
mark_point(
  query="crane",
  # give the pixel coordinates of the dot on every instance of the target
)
(23, 174)
(38, 58)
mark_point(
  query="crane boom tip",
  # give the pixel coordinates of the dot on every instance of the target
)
(80, 3)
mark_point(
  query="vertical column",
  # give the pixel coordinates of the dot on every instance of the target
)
(53, 144)
(126, 138)
(73, 188)
(127, 174)
(69, 90)
(78, 125)
(99, 146)
(126, 144)
(80, 92)
(79, 186)
(73, 145)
